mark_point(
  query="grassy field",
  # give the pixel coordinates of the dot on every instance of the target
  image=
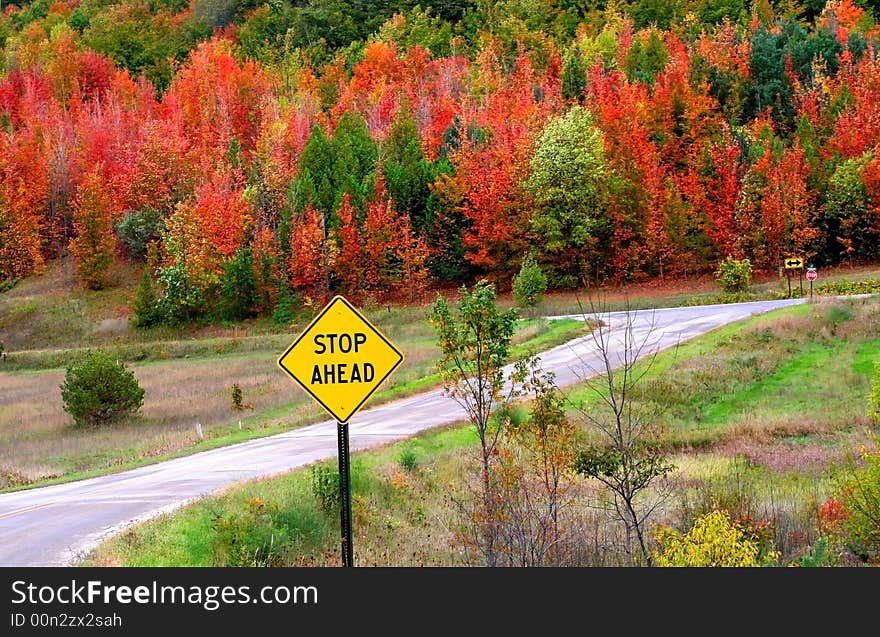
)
(754, 414)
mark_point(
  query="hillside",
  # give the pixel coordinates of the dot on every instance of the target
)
(255, 158)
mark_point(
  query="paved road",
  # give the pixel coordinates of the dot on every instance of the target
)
(56, 524)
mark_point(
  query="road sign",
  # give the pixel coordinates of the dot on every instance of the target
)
(794, 263)
(340, 359)
(811, 274)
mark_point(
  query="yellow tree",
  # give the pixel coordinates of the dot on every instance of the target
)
(93, 245)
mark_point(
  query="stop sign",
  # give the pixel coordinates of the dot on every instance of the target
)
(812, 275)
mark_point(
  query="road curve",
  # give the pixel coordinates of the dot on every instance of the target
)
(51, 526)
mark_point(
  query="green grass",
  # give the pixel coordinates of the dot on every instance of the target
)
(811, 383)
(186, 537)
(404, 517)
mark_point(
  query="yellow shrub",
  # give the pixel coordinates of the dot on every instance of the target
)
(713, 541)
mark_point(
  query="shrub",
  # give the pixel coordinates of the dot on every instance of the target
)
(238, 397)
(857, 506)
(136, 229)
(286, 312)
(325, 487)
(529, 284)
(838, 314)
(873, 397)
(713, 541)
(146, 309)
(818, 555)
(8, 284)
(408, 460)
(863, 286)
(734, 275)
(98, 390)
(238, 287)
(249, 538)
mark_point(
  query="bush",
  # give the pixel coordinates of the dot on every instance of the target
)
(8, 284)
(819, 555)
(851, 514)
(249, 538)
(873, 397)
(136, 229)
(841, 288)
(408, 460)
(146, 309)
(734, 275)
(713, 541)
(837, 314)
(529, 284)
(238, 288)
(98, 390)
(238, 397)
(325, 487)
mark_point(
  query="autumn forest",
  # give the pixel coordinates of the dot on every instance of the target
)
(255, 155)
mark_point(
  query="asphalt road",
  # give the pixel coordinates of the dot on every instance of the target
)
(54, 525)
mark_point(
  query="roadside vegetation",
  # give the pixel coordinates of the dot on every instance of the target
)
(49, 322)
(191, 379)
(766, 423)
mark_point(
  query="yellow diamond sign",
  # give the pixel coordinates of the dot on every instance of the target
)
(340, 359)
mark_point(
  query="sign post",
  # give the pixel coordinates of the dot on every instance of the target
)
(812, 275)
(340, 360)
(794, 263)
(345, 494)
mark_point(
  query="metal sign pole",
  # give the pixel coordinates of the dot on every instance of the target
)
(345, 495)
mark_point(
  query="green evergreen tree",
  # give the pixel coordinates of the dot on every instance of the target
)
(770, 85)
(314, 180)
(145, 311)
(354, 159)
(529, 284)
(657, 13)
(574, 77)
(406, 171)
(645, 60)
(238, 290)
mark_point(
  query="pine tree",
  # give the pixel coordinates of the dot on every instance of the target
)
(354, 160)
(574, 77)
(145, 310)
(406, 171)
(313, 183)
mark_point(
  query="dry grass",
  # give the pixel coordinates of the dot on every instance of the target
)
(37, 439)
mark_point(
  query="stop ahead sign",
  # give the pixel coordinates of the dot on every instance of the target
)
(812, 275)
(340, 359)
